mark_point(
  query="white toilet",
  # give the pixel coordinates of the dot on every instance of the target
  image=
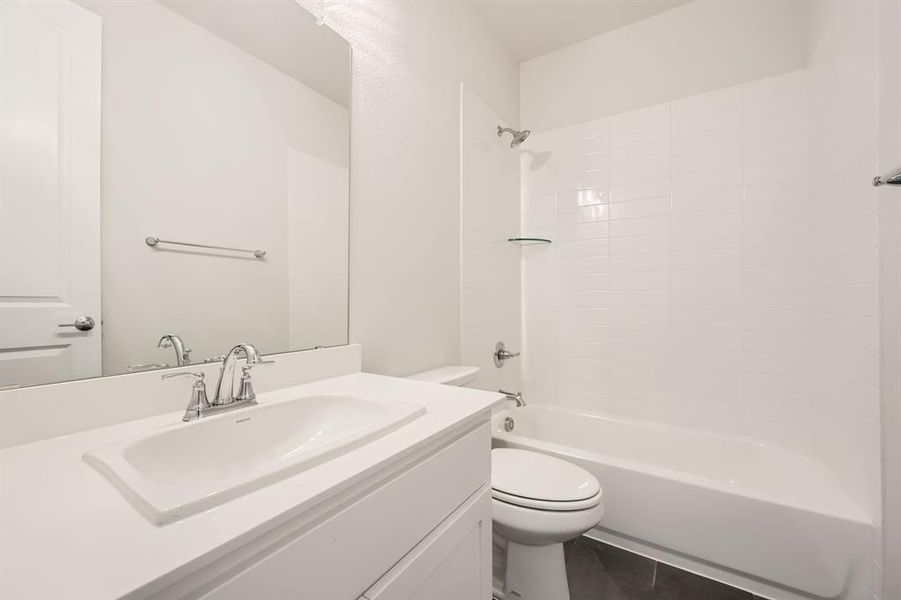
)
(538, 502)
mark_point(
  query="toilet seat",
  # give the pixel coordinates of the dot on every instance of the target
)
(541, 482)
(547, 505)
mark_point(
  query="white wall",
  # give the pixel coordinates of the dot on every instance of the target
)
(889, 200)
(208, 164)
(490, 296)
(317, 211)
(698, 47)
(409, 59)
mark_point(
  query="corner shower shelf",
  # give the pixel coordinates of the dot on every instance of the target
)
(528, 241)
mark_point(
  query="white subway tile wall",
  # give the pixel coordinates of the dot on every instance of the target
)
(844, 79)
(691, 264)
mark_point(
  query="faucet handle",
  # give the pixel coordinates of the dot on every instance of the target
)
(199, 402)
(198, 376)
(501, 354)
(245, 388)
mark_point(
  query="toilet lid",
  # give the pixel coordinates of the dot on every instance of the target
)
(533, 476)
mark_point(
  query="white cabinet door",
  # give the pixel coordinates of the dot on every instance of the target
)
(340, 558)
(49, 191)
(452, 563)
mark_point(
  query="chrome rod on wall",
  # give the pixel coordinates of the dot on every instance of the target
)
(153, 241)
(891, 178)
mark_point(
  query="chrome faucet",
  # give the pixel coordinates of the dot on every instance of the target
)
(182, 354)
(225, 388)
(515, 397)
(226, 397)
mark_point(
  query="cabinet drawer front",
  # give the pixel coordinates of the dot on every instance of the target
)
(453, 562)
(341, 557)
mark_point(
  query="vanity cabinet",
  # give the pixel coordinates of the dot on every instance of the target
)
(452, 563)
(423, 532)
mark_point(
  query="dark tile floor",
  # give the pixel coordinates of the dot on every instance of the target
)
(598, 571)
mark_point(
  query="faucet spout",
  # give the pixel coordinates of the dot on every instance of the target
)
(516, 397)
(225, 389)
(171, 340)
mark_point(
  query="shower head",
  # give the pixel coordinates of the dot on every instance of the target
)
(518, 136)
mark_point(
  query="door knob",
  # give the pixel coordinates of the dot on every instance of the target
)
(81, 324)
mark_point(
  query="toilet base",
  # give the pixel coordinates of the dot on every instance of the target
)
(535, 573)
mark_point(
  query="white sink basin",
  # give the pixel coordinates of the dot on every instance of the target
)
(191, 467)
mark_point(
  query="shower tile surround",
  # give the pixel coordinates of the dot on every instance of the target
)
(687, 276)
(677, 285)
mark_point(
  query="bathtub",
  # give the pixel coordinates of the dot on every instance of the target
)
(761, 512)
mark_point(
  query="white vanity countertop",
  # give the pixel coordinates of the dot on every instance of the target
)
(66, 532)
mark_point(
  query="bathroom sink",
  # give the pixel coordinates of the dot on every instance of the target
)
(187, 468)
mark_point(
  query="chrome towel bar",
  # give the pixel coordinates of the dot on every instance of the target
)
(891, 178)
(153, 241)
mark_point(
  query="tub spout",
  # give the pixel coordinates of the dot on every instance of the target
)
(515, 397)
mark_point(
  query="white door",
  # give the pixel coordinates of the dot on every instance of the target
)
(49, 191)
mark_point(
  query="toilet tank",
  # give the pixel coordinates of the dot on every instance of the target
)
(451, 375)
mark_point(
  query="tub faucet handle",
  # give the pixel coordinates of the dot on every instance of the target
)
(501, 354)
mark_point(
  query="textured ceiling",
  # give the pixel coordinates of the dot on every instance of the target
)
(530, 28)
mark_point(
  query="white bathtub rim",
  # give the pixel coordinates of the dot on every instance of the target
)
(850, 510)
(650, 424)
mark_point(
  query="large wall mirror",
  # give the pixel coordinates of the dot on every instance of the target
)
(174, 177)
